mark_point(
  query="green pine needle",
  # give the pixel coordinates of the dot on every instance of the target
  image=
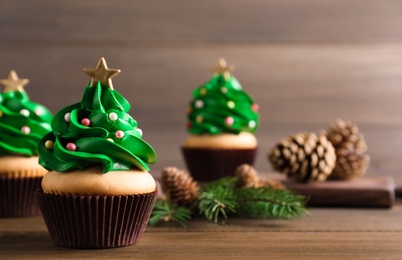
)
(166, 211)
(217, 199)
(266, 202)
(221, 199)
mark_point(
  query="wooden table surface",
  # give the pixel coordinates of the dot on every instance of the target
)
(306, 63)
(332, 233)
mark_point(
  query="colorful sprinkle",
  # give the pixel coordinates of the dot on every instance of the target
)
(189, 110)
(49, 144)
(255, 107)
(229, 121)
(119, 134)
(67, 117)
(110, 140)
(1, 113)
(199, 104)
(38, 112)
(85, 122)
(224, 90)
(113, 116)
(252, 124)
(230, 104)
(25, 129)
(25, 112)
(203, 92)
(71, 146)
(189, 125)
(139, 131)
(199, 119)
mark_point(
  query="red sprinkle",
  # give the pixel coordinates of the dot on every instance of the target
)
(71, 146)
(85, 122)
(255, 107)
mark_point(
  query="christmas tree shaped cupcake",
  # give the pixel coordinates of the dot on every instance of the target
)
(22, 125)
(98, 192)
(222, 119)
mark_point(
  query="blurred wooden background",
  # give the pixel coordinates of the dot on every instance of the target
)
(306, 62)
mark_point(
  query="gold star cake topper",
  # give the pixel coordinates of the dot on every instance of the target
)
(223, 68)
(13, 83)
(101, 73)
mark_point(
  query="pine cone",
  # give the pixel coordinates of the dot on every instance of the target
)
(304, 157)
(179, 186)
(248, 178)
(350, 147)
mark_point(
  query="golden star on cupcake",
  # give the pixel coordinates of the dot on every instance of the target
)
(101, 73)
(13, 83)
(223, 68)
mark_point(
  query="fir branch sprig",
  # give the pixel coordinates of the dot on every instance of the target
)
(218, 199)
(166, 211)
(223, 199)
(267, 202)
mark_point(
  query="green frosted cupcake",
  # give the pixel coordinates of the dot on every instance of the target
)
(222, 119)
(98, 192)
(22, 125)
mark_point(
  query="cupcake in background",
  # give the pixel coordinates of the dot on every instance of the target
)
(98, 192)
(222, 119)
(22, 125)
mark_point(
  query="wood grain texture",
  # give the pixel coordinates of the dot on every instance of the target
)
(306, 62)
(239, 245)
(326, 233)
(202, 21)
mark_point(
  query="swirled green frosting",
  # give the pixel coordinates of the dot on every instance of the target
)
(221, 106)
(22, 124)
(96, 131)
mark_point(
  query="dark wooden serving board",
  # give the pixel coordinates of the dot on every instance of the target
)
(360, 192)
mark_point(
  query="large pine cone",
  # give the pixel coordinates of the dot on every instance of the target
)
(350, 147)
(304, 157)
(248, 178)
(178, 186)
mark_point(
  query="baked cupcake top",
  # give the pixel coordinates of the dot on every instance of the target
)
(22, 122)
(96, 131)
(221, 106)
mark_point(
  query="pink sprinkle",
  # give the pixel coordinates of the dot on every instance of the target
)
(119, 134)
(85, 122)
(229, 120)
(71, 146)
(255, 107)
(25, 129)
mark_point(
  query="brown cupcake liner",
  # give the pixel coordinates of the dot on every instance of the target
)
(211, 164)
(17, 198)
(96, 221)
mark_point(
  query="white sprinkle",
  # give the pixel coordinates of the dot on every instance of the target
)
(113, 116)
(25, 112)
(199, 104)
(67, 117)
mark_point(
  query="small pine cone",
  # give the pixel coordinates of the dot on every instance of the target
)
(178, 186)
(349, 164)
(346, 134)
(247, 176)
(350, 147)
(304, 157)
